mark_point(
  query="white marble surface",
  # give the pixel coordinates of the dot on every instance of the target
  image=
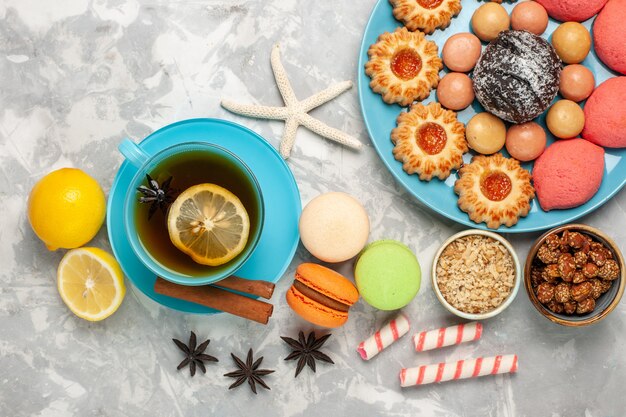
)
(76, 76)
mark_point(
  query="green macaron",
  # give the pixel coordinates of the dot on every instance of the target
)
(387, 274)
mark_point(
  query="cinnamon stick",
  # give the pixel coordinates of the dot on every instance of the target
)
(259, 288)
(217, 298)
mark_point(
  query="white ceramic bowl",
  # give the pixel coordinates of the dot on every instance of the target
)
(505, 303)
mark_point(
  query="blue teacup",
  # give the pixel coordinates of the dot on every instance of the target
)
(158, 254)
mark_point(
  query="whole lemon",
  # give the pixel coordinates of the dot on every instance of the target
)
(66, 208)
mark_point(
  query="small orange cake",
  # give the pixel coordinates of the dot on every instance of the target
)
(404, 66)
(425, 15)
(429, 141)
(495, 190)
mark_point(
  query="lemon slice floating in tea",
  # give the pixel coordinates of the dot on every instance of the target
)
(208, 223)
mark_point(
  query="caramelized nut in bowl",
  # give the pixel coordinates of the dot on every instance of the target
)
(575, 275)
(476, 274)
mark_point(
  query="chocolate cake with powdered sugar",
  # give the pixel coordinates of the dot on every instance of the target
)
(517, 76)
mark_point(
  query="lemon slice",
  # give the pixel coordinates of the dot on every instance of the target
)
(208, 223)
(91, 283)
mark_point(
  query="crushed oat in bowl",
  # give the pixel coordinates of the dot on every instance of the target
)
(475, 274)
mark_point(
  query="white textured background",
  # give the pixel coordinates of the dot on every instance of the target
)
(76, 76)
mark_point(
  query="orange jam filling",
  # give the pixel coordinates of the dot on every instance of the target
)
(431, 138)
(495, 185)
(406, 64)
(429, 4)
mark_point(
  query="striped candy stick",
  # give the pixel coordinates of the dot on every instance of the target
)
(469, 368)
(384, 337)
(447, 336)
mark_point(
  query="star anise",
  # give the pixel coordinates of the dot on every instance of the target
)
(249, 371)
(161, 196)
(307, 351)
(195, 356)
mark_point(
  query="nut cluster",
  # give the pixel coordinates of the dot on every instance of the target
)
(571, 271)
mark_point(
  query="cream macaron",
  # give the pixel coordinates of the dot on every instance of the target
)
(334, 227)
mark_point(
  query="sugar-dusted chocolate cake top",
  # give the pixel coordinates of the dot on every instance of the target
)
(517, 76)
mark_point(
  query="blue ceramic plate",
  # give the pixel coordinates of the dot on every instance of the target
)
(380, 119)
(279, 239)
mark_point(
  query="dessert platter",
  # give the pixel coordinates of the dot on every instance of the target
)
(448, 93)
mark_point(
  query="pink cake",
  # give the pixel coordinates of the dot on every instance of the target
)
(572, 10)
(605, 114)
(609, 35)
(568, 174)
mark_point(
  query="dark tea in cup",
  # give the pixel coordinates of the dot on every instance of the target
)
(170, 173)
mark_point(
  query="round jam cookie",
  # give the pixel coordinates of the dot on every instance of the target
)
(403, 66)
(485, 133)
(489, 20)
(530, 16)
(425, 15)
(568, 174)
(429, 141)
(387, 275)
(334, 227)
(609, 34)
(572, 42)
(565, 119)
(605, 114)
(461, 52)
(526, 141)
(572, 10)
(455, 91)
(321, 296)
(495, 190)
(517, 76)
(577, 82)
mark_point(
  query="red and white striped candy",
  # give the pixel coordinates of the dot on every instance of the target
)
(447, 336)
(384, 337)
(469, 368)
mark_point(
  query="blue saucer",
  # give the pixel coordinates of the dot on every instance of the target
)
(279, 239)
(380, 119)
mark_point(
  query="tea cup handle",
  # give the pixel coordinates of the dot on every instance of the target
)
(133, 153)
